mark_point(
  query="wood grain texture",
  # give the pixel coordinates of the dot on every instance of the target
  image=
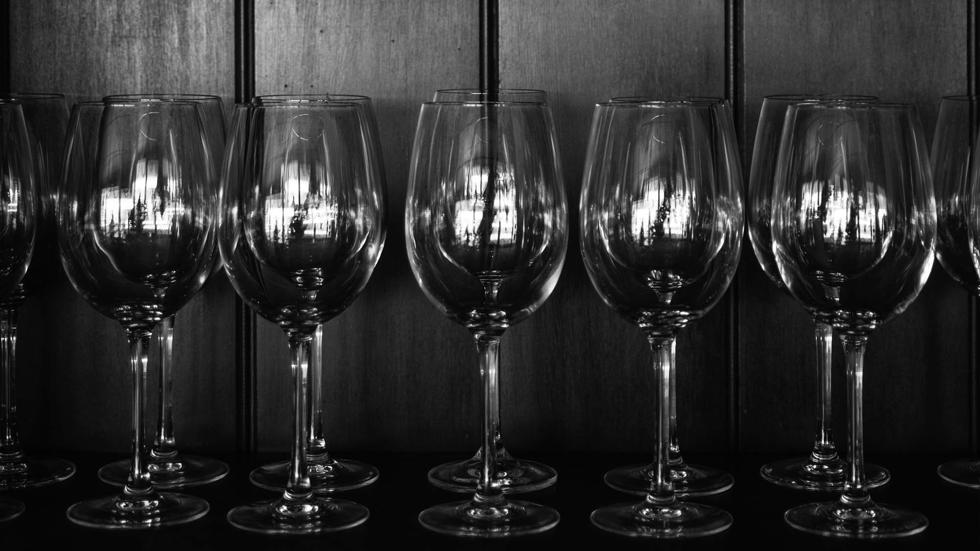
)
(917, 368)
(74, 382)
(576, 376)
(397, 374)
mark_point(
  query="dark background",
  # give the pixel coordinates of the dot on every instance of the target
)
(400, 378)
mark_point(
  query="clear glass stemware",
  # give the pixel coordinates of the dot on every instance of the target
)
(853, 233)
(661, 231)
(486, 227)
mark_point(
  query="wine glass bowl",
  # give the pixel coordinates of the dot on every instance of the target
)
(661, 230)
(486, 226)
(854, 230)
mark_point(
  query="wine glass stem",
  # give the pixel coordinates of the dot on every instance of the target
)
(855, 492)
(139, 475)
(316, 443)
(823, 447)
(674, 450)
(165, 445)
(10, 445)
(488, 347)
(662, 347)
(298, 485)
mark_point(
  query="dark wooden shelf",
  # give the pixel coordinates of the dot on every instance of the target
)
(396, 499)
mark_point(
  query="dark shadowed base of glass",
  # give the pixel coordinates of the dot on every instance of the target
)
(514, 476)
(317, 515)
(802, 473)
(171, 510)
(334, 475)
(871, 521)
(677, 521)
(10, 509)
(182, 471)
(961, 472)
(33, 472)
(689, 480)
(480, 520)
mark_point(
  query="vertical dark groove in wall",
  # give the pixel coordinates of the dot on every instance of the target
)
(4, 46)
(489, 45)
(972, 85)
(734, 92)
(245, 395)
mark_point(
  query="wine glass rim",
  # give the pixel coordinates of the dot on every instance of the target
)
(710, 100)
(481, 91)
(161, 97)
(962, 97)
(854, 105)
(36, 95)
(820, 97)
(302, 105)
(486, 103)
(621, 103)
(144, 102)
(309, 98)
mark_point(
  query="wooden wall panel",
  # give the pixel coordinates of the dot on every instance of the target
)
(74, 382)
(397, 374)
(917, 368)
(575, 375)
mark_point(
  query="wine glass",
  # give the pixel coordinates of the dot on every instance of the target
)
(137, 238)
(823, 469)
(661, 232)
(327, 473)
(302, 228)
(486, 226)
(46, 118)
(168, 467)
(952, 154)
(853, 234)
(510, 473)
(689, 480)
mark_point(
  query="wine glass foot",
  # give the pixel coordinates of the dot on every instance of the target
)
(180, 471)
(513, 476)
(314, 515)
(33, 472)
(126, 513)
(10, 509)
(472, 518)
(332, 475)
(675, 521)
(868, 521)
(802, 473)
(689, 480)
(961, 472)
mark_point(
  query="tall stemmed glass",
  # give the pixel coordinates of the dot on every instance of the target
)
(137, 238)
(46, 116)
(168, 467)
(327, 472)
(661, 217)
(486, 227)
(689, 480)
(953, 148)
(823, 469)
(853, 232)
(302, 228)
(510, 473)
(18, 227)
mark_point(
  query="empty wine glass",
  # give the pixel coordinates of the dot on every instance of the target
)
(661, 231)
(137, 238)
(689, 480)
(327, 472)
(853, 233)
(169, 468)
(302, 228)
(823, 469)
(486, 227)
(19, 179)
(953, 145)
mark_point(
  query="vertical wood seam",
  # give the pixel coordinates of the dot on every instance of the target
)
(972, 85)
(4, 47)
(734, 92)
(489, 44)
(246, 414)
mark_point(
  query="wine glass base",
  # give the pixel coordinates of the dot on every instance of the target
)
(10, 509)
(961, 472)
(871, 521)
(471, 518)
(802, 473)
(334, 475)
(689, 480)
(170, 509)
(181, 471)
(33, 472)
(676, 521)
(315, 515)
(513, 476)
